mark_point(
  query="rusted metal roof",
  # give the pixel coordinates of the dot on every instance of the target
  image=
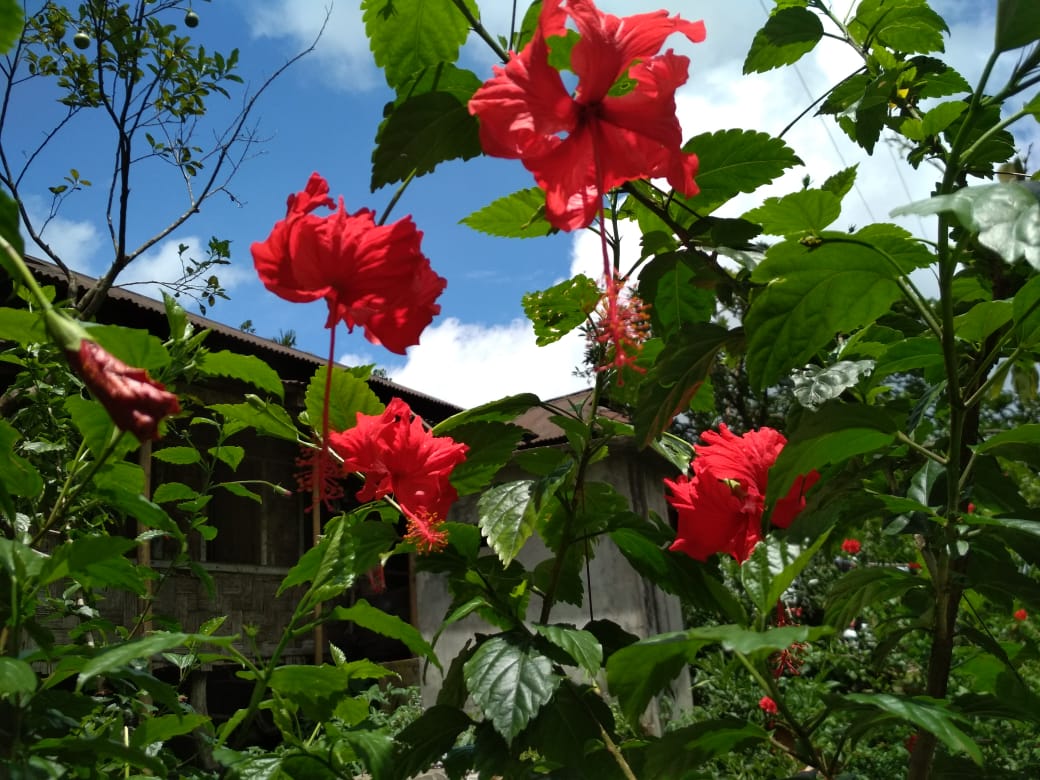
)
(124, 307)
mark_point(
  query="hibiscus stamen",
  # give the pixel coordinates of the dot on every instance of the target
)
(624, 327)
(425, 531)
(319, 475)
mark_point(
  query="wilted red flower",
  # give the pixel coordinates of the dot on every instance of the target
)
(135, 402)
(619, 125)
(851, 546)
(398, 455)
(1021, 615)
(767, 705)
(721, 507)
(370, 275)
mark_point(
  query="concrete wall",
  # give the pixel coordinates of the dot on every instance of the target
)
(614, 591)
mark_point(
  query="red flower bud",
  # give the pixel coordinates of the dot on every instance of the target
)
(1021, 615)
(767, 705)
(851, 546)
(135, 402)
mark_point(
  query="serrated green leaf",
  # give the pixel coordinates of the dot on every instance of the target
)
(735, 161)
(557, 311)
(806, 211)
(932, 715)
(491, 446)
(96, 427)
(112, 658)
(245, 368)
(832, 435)
(1006, 216)
(814, 385)
(582, 646)
(10, 25)
(909, 26)
(668, 284)
(812, 294)
(677, 751)
(429, 737)
(152, 730)
(240, 490)
(22, 327)
(982, 319)
(422, 132)
(348, 396)
(510, 682)
(17, 475)
(935, 121)
(788, 35)
(229, 454)
(408, 35)
(137, 348)
(1018, 24)
(508, 517)
(502, 410)
(678, 372)
(182, 456)
(9, 218)
(16, 677)
(1020, 443)
(363, 614)
(772, 566)
(1026, 311)
(256, 413)
(519, 215)
(841, 183)
(861, 587)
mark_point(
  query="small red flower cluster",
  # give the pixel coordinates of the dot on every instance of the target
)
(370, 275)
(620, 123)
(851, 546)
(767, 705)
(399, 456)
(720, 508)
(1021, 615)
(134, 401)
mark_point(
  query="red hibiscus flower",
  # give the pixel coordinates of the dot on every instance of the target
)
(851, 546)
(398, 455)
(721, 507)
(370, 275)
(134, 401)
(619, 125)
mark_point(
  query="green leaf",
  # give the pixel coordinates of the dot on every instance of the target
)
(16, 677)
(366, 616)
(929, 714)
(22, 327)
(832, 435)
(422, 132)
(673, 755)
(841, 182)
(510, 682)
(788, 35)
(10, 28)
(519, 215)
(861, 587)
(678, 372)
(982, 319)
(508, 516)
(1018, 24)
(229, 454)
(491, 446)
(17, 475)
(908, 26)
(502, 410)
(426, 739)
(1006, 216)
(935, 121)
(735, 161)
(96, 427)
(173, 491)
(408, 35)
(581, 646)
(137, 348)
(8, 208)
(1026, 311)
(245, 368)
(1020, 443)
(815, 385)
(266, 418)
(348, 396)
(557, 311)
(668, 284)
(800, 213)
(112, 658)
(183, 456)
(152, 730)
(811, 294)
(773, 566)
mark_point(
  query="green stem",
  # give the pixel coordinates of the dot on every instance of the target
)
(996, 376)
(23, 274)
(922, 450)
(479, 29)
(397, 196)
(967, 153)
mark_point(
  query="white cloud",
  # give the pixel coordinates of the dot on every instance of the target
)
(356, 359)
(76, 242)
(164, 265)
(469, 364)
(342, 53)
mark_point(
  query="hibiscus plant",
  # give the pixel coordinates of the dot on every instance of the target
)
(857, 575)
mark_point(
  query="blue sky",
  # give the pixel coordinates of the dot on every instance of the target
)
(322, 116)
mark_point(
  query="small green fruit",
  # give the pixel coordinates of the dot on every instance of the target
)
(81, 40)
(191, 19)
